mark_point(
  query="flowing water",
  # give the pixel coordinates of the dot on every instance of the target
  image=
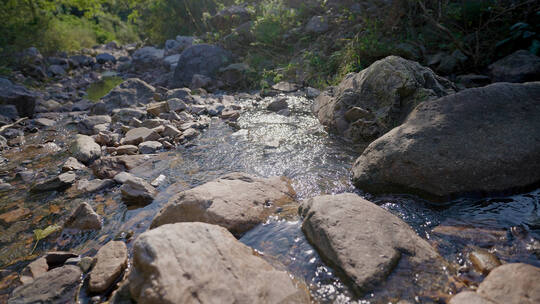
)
(265, 144)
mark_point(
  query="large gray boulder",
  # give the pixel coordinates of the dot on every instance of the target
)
(129, 93)
(59, 285)
(236, 201)
(364, 241)
(202, 263)
(476, 141)
(202, 59)
(19, 96)
(521, 66)
(515, 283)
(368, 104)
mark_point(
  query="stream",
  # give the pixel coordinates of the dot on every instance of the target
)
(265, 144)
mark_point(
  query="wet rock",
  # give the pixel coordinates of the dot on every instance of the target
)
(94, 185)
(521, 66)
(88, 125)
(236, 201)
(483, 260)
(137, 191)
(495, 145)
(157, 108)
(129, 93)
(59, 285)
(72, 164)
(34, 270)
(467, 235)
(139, 135)
(105, 58)
(19, 96)
(14, 215)
(149, 147)
(389, 89)
(515, 283)
(84, 218)
(198, 262)
(203, 59)
(368, 252)
(109, 166)
(278, 105)
(111, 260)
(317, 24)
(85, 149)
(469, 297)
(60, 182)
(86, 263)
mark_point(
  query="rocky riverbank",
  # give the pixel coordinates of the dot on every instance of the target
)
(151, 193)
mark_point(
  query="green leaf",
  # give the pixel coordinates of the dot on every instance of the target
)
(40, 234)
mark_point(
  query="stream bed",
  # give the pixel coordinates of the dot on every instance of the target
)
(266, 144)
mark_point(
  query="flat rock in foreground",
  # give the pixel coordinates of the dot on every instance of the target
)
(203, 263)
(58, 285)
(236, 201)
(364, 241)
(476, 141)
(515, 283)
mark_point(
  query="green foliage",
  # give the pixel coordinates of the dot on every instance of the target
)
(159, 20)
(66, 25)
